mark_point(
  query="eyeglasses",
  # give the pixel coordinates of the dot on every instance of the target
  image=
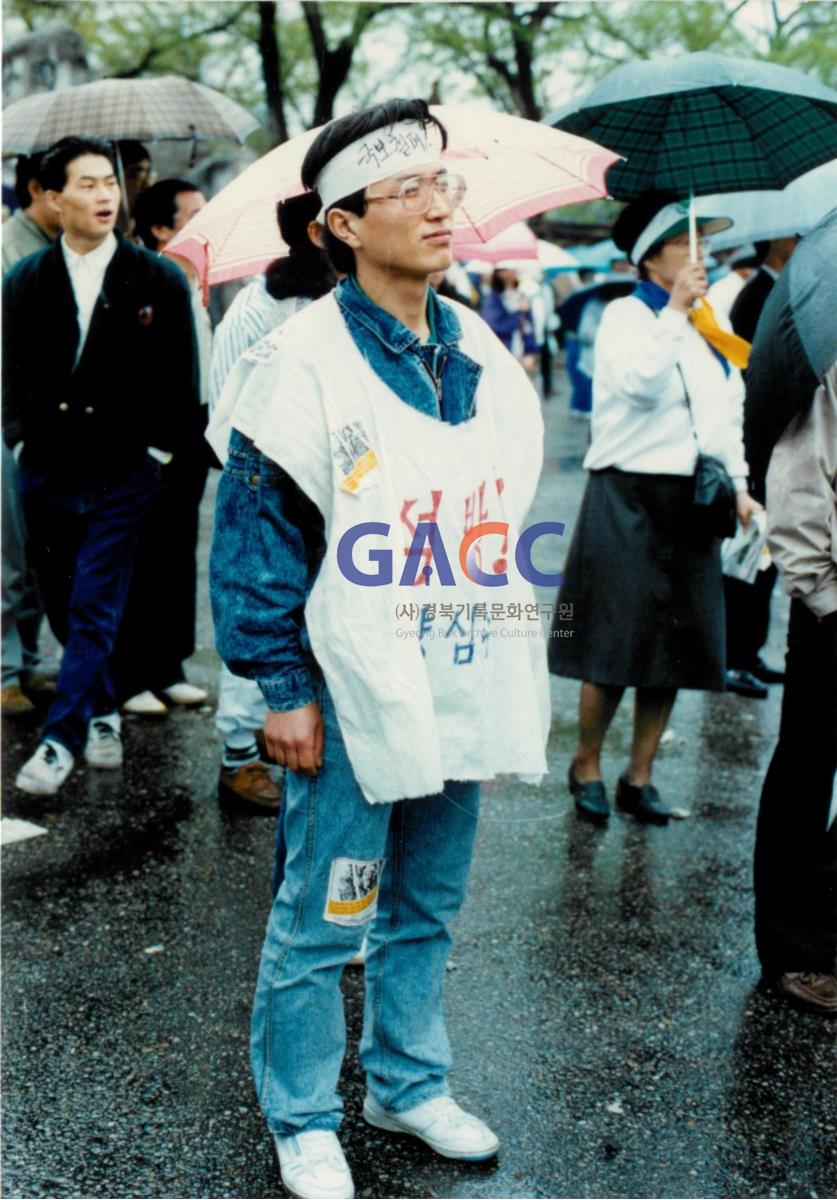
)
(416, 193)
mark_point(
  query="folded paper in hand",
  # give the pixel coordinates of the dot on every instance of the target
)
(742, 555)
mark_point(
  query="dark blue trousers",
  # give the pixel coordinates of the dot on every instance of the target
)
(796, 849)
(82, 540)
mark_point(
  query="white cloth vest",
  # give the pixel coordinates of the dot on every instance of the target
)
(419, 700)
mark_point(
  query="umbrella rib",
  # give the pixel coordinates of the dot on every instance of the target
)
(473, 224)
(561, 167)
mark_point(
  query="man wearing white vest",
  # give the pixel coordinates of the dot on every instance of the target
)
(381, 456)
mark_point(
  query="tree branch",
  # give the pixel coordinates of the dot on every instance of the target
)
(618, 35)
(271, 57)
(311, 12)
(154, 52)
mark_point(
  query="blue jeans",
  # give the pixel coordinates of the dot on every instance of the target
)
(339, 847)
(82, 541)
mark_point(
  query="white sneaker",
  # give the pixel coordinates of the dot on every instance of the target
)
(145, 704)
(104, 742)
(313, 1166)
(442, 1124)
(185, 693)
(46, 770)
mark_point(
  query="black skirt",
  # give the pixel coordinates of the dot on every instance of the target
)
(642, 603)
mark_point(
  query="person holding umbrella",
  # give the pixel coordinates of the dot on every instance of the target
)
(644, 581)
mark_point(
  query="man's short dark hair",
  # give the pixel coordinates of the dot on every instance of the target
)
(341, 133)
(131, 151)
(53, 173)
(157, 205)
(27, 168)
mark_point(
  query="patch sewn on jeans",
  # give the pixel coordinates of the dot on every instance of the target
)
(353, 891)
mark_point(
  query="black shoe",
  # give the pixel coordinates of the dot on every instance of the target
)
(643, 802)
(766, 674)
(744, 683)
(590, 798)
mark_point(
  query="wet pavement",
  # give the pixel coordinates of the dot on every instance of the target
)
(603, 1001)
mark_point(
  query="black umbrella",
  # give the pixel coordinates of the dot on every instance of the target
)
(795, 344)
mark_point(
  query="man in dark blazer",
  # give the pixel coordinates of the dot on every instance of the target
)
(158, 627)
(748, 604)
(749, 302)
(99, 383)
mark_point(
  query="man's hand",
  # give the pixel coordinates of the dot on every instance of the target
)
(745, 506)
(295, 739)
(690, 283)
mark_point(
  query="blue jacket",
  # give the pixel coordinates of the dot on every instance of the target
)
(269, 537)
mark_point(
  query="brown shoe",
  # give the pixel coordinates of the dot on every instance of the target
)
(253, 784)
(810, 990)
(38, 683)
(13, 703)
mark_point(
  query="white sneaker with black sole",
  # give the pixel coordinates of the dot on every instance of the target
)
(145, 704)
(46, 770)
(104, 742)
(186, 694)
(442, 1124)
(313, 1166)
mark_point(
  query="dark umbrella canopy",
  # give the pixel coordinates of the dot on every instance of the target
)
(795, 344)
(706, 123)
(165, 108)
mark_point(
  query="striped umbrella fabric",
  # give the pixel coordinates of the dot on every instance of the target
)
(706, 123)
(513, 168)
(516, 243)
(167, 108)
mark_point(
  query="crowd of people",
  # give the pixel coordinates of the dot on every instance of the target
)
(341, 393)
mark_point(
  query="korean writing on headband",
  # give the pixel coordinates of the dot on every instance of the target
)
(428, 533)
(404, 145)
(402, 141)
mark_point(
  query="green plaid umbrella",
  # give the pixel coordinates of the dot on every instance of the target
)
(705, 123)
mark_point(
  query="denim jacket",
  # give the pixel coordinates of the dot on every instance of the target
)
(269, 537)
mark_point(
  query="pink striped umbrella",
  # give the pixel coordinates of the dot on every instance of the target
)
(514, 169)
(516, 243)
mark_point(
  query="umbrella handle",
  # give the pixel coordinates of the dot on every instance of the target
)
(693, 247)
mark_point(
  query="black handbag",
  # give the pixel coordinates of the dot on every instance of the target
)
(714, 501)
(714, 498)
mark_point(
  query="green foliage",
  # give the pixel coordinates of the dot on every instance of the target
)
(527, 57)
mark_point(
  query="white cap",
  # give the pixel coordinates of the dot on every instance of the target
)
(668, 222)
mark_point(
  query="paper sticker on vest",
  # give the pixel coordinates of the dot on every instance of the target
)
(353, 891)
(353, 453)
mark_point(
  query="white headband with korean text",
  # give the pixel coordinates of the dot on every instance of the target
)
(391, 150)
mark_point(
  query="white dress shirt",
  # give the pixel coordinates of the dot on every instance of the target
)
(87, 274)
(640, 418)
(724, 292)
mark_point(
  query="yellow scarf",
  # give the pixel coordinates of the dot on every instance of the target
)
(734, 348)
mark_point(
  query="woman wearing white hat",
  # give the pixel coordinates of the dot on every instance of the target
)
(643, 578)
